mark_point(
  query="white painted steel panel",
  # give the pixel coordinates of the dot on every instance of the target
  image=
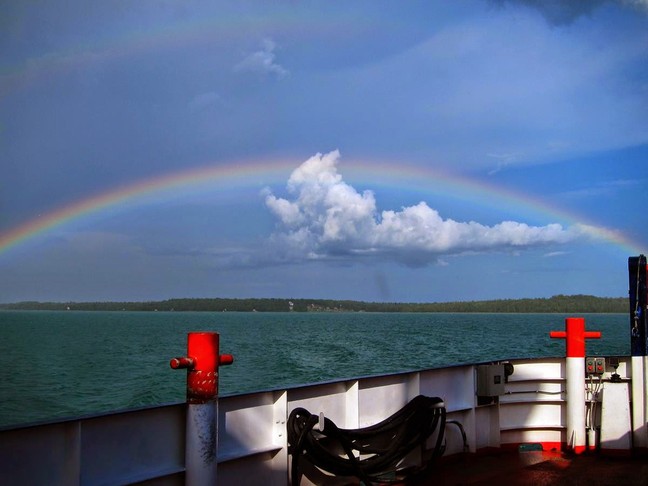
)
(533, 391)
(379, 397)
(537, 370)
(132, 446)
(252, 439)
(616, 429)
(639, 401)
(329, 398)
(352, 405)
(245, 423)
(487, 427)
(111, 449)
(455, 385)
(532, 415)
(253, 470)
(47, 454)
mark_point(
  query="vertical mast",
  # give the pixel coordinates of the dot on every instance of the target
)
(638, 297)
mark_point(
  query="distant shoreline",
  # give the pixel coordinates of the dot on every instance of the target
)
(555, 304)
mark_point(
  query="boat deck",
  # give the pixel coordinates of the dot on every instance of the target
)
(537, 468)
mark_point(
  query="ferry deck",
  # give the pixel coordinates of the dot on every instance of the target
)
(575, 420)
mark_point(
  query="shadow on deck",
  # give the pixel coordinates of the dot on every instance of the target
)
(537, 468)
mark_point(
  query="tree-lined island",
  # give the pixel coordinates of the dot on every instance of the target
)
(555, 304)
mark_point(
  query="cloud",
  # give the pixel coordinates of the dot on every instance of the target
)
(521, 92)
(262, 61)
(503, 161)
(325, 217)
(559, 12)
(553, 254)
(603, 189)
(565, 12)
(641, 4)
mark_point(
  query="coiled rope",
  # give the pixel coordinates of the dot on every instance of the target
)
(370, 453)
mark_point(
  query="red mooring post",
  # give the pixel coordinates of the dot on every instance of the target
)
(202, 362)
(575, 335)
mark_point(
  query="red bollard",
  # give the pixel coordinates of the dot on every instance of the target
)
(202, 362)
(575, 335)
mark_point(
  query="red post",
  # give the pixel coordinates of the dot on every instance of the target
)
(202, 362)
(575, 335)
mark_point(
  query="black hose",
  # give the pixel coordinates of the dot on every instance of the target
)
(384, 444)
(463, 433)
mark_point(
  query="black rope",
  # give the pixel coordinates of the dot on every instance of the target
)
(383, 445)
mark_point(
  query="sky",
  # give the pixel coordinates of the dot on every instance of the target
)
(422, 151)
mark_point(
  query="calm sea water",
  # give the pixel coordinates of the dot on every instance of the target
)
(61, 364)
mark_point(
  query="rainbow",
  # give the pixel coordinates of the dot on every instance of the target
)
(127, 43)
(228, 176)
(260, 173)
(451, 185)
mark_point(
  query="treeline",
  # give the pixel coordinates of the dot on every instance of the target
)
(555, 304)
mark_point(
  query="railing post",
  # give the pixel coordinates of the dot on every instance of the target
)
(202, 362)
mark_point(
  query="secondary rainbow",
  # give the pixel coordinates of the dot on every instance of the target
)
(130, 41)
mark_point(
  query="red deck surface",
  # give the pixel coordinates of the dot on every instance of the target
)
(538, 468)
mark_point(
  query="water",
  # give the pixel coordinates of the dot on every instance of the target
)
(61, 364)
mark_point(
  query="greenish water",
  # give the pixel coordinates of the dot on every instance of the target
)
(61, 364)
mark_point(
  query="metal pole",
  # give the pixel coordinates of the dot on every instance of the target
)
(575, 336)
(638, 293)
(202, 363)
(575, 368)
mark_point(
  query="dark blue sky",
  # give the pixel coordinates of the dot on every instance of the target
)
(467, 150)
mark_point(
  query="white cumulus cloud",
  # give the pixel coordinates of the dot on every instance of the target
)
(324, 217)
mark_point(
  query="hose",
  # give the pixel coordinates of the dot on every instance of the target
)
(384, 444)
